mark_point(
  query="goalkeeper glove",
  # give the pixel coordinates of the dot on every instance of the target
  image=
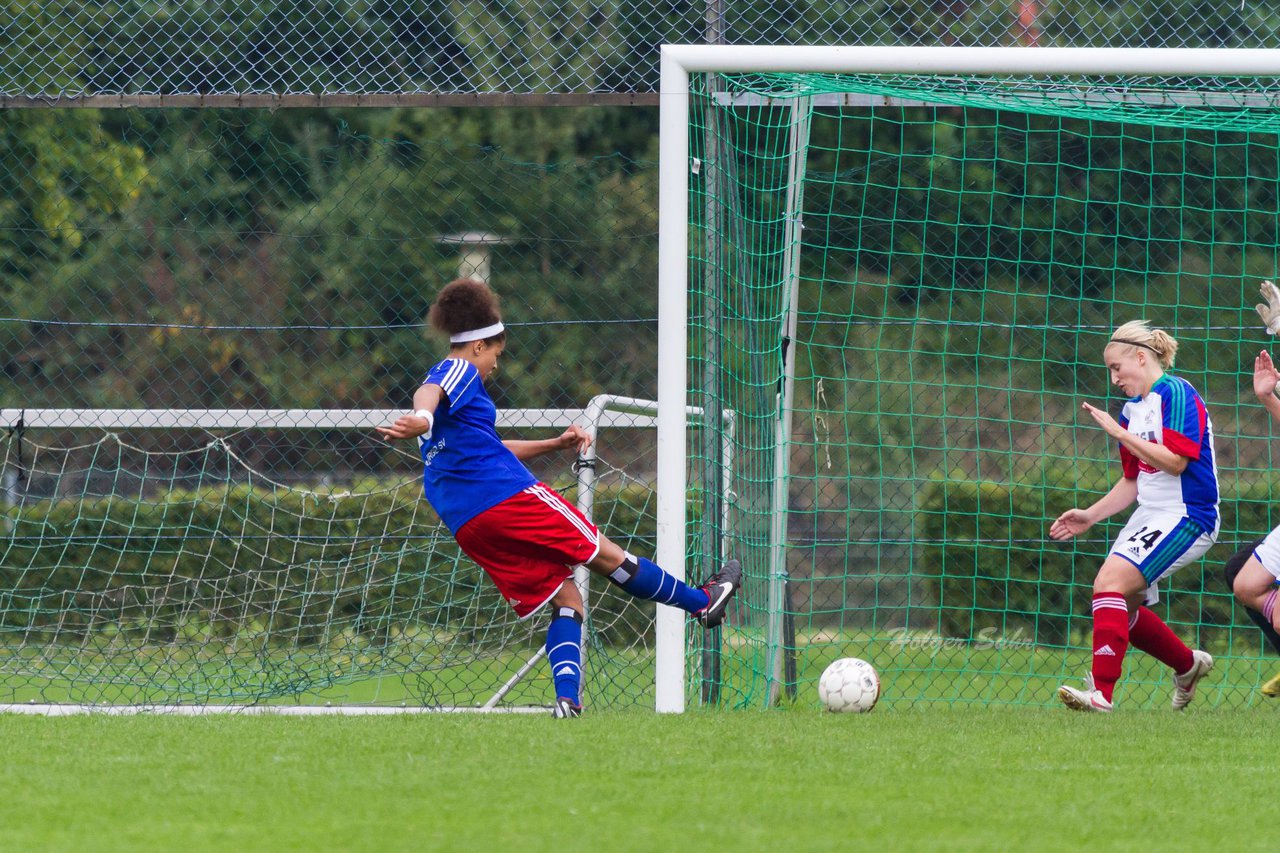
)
(1270, 311)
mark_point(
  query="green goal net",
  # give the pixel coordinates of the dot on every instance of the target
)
(902, 286)
(204, 560)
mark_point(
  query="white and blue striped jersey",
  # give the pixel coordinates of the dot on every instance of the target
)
(465, 467)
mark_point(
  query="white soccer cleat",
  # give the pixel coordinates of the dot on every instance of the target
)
(1184, 686)
(1089, 699)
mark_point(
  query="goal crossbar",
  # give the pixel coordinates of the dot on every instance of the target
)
(1041, 61)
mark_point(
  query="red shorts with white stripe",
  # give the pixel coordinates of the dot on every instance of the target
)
(528, 545)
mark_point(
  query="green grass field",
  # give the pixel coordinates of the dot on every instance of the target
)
(963, 778)
(915, 677)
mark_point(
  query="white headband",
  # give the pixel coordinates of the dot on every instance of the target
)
(476, 334)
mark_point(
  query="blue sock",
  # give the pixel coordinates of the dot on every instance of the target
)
(564, 651)
(647, 580)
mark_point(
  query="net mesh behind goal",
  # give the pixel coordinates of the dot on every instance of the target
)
(961, 250)
(212, 567)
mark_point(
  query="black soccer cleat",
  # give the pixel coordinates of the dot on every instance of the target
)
(720, 588)
(563, 709)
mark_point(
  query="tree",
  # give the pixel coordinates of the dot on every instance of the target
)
(63, 175)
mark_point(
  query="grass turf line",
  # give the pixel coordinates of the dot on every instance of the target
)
(913, 676)
(799, 780)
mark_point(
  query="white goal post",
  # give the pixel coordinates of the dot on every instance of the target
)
(678, 63)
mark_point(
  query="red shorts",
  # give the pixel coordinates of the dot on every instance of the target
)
(527, 545)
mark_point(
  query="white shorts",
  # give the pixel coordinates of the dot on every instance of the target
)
(1159, 542)
(1268, 553)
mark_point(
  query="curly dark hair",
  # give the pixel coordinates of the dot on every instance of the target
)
(464, 305)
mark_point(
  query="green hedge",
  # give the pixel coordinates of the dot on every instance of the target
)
(988, 562)
(273, 564)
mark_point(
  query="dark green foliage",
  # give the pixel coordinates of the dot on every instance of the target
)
(988, 562)
(957, 199)
(264, 565)
(323, 228)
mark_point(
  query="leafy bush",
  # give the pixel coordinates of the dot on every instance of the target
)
(275, 564)
(989, 562)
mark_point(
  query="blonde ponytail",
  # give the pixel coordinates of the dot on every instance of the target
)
(1137, 334)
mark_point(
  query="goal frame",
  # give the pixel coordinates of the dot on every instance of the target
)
(678, 63)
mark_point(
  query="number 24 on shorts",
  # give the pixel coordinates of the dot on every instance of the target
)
(1148, 539)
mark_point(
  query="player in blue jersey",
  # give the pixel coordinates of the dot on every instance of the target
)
(524, 535)
(1167, 459)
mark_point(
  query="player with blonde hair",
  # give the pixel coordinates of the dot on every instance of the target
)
(1167, 460)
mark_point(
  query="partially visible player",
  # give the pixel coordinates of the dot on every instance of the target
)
(1167, 460)
(1255, 582)
(1257, 587)
(522, 533)
(1231, 570)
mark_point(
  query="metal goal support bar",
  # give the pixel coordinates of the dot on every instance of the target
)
(284, 418)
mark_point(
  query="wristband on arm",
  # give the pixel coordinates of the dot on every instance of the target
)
(426, 416)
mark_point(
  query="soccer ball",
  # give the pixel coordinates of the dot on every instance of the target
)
(849, 684)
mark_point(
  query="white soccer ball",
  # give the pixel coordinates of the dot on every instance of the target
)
(849, 684)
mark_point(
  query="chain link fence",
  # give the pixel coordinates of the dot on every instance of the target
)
(154, 262)
(222, 259)
(201, 48)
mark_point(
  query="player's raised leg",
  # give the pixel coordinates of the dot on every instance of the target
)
(1149, 633)
(645, 579)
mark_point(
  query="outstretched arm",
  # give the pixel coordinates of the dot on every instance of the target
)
(575, 437)
(1075, 521)
(425, 399)
(1265, 379)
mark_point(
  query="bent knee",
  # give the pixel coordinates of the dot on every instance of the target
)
(1254, 582)
(568, 596)
(1240, 590)
(608, 558)
(1119, 576)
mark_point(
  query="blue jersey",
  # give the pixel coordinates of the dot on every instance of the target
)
(465, 467)
(1174, 415)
